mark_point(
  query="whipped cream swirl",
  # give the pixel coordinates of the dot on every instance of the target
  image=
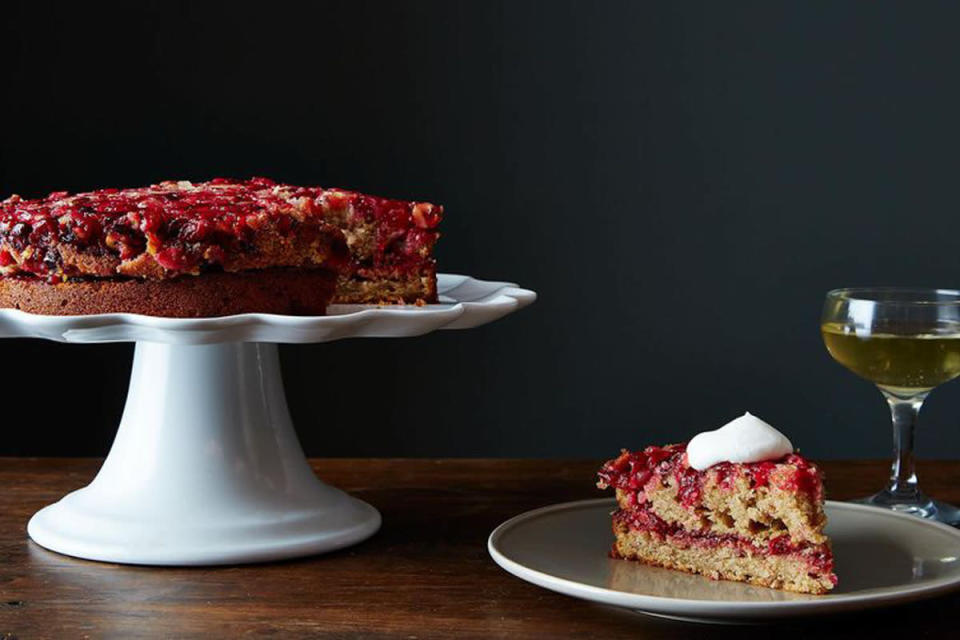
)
(745, 439)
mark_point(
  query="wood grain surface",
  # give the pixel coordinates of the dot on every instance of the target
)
(426, 574)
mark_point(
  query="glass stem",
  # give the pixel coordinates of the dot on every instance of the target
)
(903, 475)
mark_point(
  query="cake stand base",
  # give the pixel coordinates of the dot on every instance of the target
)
(205, 469)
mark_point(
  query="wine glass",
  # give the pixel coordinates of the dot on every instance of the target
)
(907, 342)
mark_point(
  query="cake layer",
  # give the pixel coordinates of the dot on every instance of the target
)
(391, 247)
(764, 500)
(415, 288)
(280, 291)
(807, 570)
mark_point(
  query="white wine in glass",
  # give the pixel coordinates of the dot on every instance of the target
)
(907, 342)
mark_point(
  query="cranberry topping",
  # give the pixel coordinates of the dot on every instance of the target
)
(689, 485)
(760, 473)
(186, 225)
(643, 519)
(780, 545)
(176, 259)
(726, 475)
(632, 470)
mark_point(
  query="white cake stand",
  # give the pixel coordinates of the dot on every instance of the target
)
(206, 467)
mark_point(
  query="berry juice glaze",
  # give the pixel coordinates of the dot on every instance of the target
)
(185, 225)
(631, 471)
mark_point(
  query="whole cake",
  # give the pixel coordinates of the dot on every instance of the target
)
(733, 504)
(214, 248)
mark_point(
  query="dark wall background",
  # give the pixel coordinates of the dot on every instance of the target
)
(681, 183)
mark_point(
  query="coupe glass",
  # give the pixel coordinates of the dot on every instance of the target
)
(907, 342)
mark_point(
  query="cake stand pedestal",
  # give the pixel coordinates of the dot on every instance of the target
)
(206, 467)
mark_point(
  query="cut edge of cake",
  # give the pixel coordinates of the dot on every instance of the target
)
(760, 523)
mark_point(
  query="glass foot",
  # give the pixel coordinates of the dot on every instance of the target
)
(916, 505)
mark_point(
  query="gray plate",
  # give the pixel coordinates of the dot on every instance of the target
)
(882, 558)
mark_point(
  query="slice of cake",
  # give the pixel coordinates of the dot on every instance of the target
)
(391, 246)
(734, 504)
(214, 248)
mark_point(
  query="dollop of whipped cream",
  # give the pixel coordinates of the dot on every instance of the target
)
(745, 439)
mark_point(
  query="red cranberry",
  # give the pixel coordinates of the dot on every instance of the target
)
(175, 259)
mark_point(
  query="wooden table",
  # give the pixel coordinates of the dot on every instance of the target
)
(426, 574)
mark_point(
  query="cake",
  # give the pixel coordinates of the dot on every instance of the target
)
(222, 247)
(759, 521)
(391, 246)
